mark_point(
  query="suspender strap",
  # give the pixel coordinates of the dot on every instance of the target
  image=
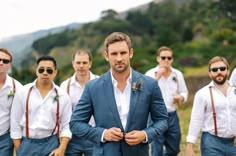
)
(27, 115)
(14, 85)
(177, 81)
(68, 86)
(213, 111)
(57, 116)
(14, 91)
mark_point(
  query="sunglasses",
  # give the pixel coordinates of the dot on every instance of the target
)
(166, 57)
(48, 70)
(5, 61)
(215, 69)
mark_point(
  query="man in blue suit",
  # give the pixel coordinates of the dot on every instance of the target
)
(120, 101)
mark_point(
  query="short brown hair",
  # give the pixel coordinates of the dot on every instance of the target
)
(163, 48)
(4, 50)
(218, 59)
(116, 37)
(82, 51)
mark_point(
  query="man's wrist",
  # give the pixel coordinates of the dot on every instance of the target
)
(146, 138)
(103, 136)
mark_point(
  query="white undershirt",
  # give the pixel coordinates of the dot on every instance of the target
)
(122, 99)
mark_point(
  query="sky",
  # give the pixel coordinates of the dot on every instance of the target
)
(25, 16)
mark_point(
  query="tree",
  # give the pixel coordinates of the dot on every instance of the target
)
(109, 14)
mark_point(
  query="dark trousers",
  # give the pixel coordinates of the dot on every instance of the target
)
(6, 145)
(37, 147)
(168, 144)
(212, 145)
(79, 147)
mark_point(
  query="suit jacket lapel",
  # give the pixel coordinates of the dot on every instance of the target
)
(133, 99)
(110, 97)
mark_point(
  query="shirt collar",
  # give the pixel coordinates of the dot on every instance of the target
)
(8, 82)
(34, 84)
(128, 81)
(73, 78)
(211, 84)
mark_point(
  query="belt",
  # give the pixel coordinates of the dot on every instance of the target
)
(40, 140)
(6, 135)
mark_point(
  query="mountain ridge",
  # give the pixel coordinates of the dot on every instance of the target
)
(21, 45)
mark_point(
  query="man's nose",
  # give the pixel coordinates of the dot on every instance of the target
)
(119, 57)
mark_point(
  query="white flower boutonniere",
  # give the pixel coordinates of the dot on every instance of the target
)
(137, 86)
(10, 94)
(174, 79)
(56, 98)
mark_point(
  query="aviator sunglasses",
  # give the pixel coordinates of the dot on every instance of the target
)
(166, 57)
(5, 61)
(215, 69)
(48, 70)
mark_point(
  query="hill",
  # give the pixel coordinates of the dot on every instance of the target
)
(21, 45)
(196, 30)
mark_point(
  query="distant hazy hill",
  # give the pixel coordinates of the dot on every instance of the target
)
(21, 45)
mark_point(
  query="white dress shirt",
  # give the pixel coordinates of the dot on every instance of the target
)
(173, 85)
(202, 117)
(42, 113)
(6, 98)
(232, 78)
(122, 99)
(76, 90)
(123, 102)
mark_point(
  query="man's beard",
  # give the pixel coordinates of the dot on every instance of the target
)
(220, 82)
(120, 70)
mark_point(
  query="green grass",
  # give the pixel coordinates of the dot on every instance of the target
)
(184, 113)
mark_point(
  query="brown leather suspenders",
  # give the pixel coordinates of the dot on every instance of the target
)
(213, 111)
(27, 115)
(68, 86)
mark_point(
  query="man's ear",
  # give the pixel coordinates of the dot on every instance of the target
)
(131, 53)
(157, 58)
(106, 55)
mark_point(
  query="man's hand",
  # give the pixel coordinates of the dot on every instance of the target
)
(60, 151)
(135, 137)
(16, 143)
(189, 150)
(57, 152)
(113, 134)
(178, 99)
(161, 71)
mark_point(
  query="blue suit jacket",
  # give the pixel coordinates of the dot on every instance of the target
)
(98, 100)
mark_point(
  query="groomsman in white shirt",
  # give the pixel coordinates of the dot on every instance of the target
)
(232, 78)
(214, 113)
(74, 86)
(8, 87)
(40, 114)
(175, 92)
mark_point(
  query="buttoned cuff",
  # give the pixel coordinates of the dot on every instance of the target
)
(146, 140)
(16, 135)
(66, 133)
(102, 138)
(191, 139)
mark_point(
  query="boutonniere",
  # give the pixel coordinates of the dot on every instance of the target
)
(137, 86)
(56, 98)
(174, 79)
(10, 94)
